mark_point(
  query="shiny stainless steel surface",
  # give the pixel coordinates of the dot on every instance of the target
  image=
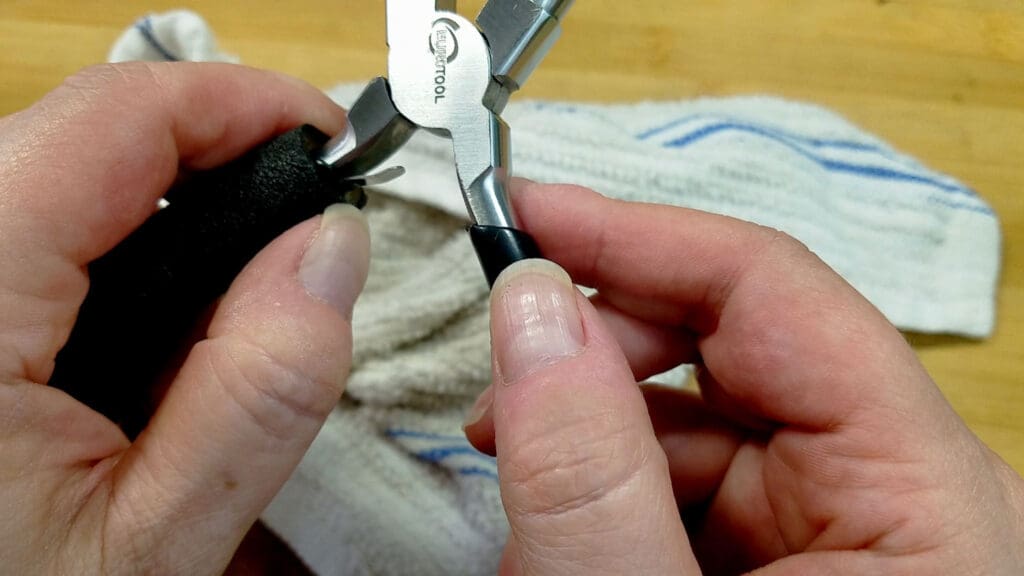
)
(439, 67)
(448, 75)
(375, 130)
(520, 34)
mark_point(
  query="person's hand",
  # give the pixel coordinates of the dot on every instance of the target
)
(818, 444)
(78, 172)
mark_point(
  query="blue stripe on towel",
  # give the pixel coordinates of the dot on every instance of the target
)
(841, 144)
(446, 446)
(804, 146)
(404, 433)
(440, 453)
(828, 163)
(980, 209)
(862, 170)
(474, 471)
(145, 27)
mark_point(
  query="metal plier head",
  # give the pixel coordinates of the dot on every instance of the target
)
(453, 77)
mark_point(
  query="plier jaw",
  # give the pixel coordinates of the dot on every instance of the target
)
(453, 77)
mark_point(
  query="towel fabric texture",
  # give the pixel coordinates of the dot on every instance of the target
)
(390, 486)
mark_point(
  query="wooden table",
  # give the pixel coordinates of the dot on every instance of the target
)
(941, 79)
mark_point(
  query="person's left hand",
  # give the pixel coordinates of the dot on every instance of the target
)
(78, 172)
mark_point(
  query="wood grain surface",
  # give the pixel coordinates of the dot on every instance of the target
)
(940, 79)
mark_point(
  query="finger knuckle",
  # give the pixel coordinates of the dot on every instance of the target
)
(277, 396)
(783, 286)
(549, 476)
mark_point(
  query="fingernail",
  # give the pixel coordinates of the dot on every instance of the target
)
(335, 264)
(538, 320)
(480, 407)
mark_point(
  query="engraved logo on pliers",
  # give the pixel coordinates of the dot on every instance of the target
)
(445, 47)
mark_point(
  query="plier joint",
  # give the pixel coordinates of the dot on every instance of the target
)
(454, 77)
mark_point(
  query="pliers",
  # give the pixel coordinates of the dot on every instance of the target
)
(447, 75)
(454, 78)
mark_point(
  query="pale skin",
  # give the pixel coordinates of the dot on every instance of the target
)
(80, 170)
(819, 445)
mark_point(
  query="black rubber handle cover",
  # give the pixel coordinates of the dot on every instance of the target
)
(498, 248)
(147, 294)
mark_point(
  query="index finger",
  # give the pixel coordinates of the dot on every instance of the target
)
(86, 165)
(110, 141)
(783, 335)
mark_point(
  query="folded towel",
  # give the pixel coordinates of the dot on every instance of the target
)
(390, 485)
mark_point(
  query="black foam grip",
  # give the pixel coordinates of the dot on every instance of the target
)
(146, 295)
(498, 248)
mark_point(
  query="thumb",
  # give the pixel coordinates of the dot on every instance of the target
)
(248, 400)
(584, 481)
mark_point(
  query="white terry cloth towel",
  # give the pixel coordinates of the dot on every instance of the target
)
(391, 486)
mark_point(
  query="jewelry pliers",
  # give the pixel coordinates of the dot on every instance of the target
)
(446, 74)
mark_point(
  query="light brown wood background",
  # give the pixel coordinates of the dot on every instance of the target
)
(941, 79)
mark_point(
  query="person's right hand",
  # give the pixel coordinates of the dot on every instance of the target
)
(818, 445)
